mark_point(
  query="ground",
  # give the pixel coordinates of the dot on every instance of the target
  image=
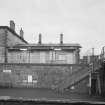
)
(46, 94)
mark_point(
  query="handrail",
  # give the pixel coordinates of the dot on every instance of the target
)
(77, 76)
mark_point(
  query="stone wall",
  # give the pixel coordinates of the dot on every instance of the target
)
(7, 38)
(13, 39)
(82, 86)
(36, 75)
(6, 35)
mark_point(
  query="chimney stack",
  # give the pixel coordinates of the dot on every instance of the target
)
(61, 38)
(40, 38)
(21, 33)
(12, 25)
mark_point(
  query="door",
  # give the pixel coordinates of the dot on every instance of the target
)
(93, 86)
(29, 78)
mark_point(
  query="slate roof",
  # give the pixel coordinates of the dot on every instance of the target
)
(14, 33)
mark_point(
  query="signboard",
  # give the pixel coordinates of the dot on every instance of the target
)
(6, 71)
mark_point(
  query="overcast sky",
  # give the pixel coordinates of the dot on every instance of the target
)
(81, 21)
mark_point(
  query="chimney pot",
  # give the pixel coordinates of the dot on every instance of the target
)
(40, 38)
(12, 25)
(21, 33)
(61, 38)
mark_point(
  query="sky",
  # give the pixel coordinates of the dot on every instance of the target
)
(81, 21)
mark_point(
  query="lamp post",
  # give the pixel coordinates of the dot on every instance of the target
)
(28, 51)
(103, 50)
(93, 59)
(91, 72)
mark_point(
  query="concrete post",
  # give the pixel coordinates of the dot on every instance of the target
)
(90, 83)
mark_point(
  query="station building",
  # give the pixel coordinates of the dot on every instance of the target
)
(15, 49)
(48, 65)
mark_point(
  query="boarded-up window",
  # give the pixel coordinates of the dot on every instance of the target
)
(70, 58)
(42, 57)
(62, 57)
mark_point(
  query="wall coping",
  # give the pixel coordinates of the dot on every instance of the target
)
(43, 64)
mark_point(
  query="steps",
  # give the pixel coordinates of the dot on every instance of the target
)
(75, 77)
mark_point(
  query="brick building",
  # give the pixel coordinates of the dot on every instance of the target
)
(39, 65)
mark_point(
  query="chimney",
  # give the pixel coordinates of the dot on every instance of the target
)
(21, 33)
(61, 38)
(40, 38)
(12, 25)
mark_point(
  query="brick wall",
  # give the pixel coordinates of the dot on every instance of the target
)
(82, 86)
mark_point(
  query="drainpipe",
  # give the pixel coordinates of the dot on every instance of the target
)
(5, 45)
(99, 84)
(90, 78)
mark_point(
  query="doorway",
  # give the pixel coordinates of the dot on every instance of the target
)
(29, 78)
(94, 86)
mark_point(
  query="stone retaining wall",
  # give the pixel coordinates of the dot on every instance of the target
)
(43, 75)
